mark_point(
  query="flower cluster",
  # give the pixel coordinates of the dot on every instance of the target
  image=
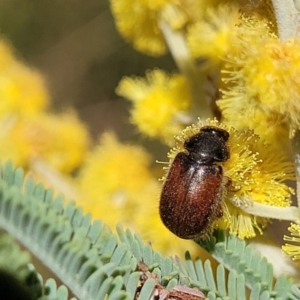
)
(29, 130)
(161, 102)
(241, 64)
(238, 69)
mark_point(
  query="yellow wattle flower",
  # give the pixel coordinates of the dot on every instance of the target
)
(154, 4)
(122, 167)
(160, 102)
(212, 37)
(262, 79)
(272, 128)
(181, 13)
(272, 76)
(60, 140)
(137, 21)
(22, 89)
(258, 172)
(293, 247)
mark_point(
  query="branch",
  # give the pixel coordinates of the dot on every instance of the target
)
(290, 213)
(179, 50)
(287, 18)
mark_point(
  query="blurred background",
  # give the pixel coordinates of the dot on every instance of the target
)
(75, 45)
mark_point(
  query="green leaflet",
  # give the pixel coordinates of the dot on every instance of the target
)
(94, 263)
(16, 262)
(236, 255)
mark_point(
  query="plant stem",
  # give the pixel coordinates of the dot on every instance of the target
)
(288, 24)
(296, 148)
(179, 50)
(290, 213)
(287, 18)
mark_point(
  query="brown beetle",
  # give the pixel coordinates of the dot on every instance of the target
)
(192, 193)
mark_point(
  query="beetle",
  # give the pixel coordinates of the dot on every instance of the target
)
(191, 197)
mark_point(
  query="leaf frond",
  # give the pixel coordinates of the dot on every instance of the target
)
(95, 263)
(236, 255)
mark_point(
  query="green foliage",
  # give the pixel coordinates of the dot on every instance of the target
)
(17, 275)
(94, 263)
(236, 255)
(12, 259)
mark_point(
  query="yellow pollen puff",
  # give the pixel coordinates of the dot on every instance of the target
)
(240, 223)
(155, 4)
(118, 166)
(262, 78)
(160, 102)
(60, 140)
(271, 128)
(273, 76)
(258, 172)
(212, 37)
(181, 13)
(22, 89)
(293, 250)
(137, 22)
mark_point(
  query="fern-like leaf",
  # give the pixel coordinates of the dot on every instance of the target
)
(236, 255)
(94, 263)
